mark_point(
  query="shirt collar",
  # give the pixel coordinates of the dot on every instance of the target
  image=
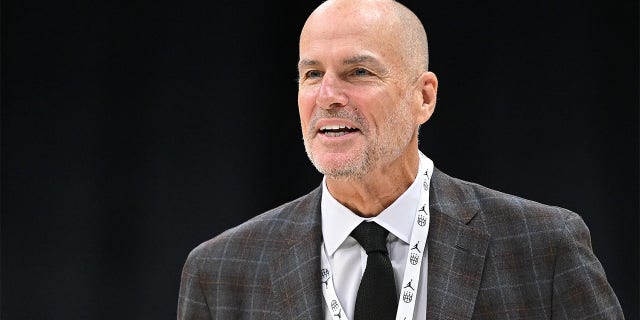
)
(338, 221)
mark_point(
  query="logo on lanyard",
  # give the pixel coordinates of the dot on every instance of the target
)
(422, 217)
(325, 276)
(414, 258)
(407, 296)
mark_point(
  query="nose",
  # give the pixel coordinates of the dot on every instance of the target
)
(331, 94)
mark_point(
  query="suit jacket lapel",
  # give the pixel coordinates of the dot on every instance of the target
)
(456, 251)
(295, 273)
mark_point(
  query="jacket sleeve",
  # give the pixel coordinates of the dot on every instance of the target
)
(580, 286)
(192, 304)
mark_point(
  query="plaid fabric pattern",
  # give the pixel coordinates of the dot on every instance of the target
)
(266, 268)
(491, 256)
(497, 256)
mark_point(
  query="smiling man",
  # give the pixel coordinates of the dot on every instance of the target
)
(387, 235)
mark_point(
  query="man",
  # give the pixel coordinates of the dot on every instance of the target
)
(454, 249)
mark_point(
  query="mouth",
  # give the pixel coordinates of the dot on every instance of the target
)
(336, 130)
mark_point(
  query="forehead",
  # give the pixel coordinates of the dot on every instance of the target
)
(348, 34)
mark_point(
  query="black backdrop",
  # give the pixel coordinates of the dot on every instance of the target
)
(134, 130)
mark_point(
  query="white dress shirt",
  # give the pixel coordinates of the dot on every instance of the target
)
(347, 258)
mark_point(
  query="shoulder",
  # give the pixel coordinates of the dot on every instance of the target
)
(538, 253)
(496, 210)
(265, 234)
(235, 267)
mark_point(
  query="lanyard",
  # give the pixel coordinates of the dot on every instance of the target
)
(417, 245)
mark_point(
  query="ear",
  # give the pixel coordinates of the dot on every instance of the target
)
(428, 85)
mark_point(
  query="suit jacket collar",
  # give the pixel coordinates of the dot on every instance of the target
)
(450, 196)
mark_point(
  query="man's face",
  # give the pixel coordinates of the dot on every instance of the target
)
(356, 98)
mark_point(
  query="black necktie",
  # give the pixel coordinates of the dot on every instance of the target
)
(376, 297)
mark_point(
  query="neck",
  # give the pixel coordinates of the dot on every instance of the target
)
(369, 195)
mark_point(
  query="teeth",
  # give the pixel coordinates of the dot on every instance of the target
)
(335, 127)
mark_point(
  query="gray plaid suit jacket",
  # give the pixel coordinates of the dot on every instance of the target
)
(491, 256)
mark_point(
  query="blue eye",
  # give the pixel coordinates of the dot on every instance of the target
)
(361, 72)
(314, 74)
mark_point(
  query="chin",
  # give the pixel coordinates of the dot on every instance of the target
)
(342, 166)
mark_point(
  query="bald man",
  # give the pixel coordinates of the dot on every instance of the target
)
(453, 249)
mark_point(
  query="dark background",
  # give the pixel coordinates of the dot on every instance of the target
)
(133, 130)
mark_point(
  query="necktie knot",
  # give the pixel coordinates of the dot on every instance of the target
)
(371, 236)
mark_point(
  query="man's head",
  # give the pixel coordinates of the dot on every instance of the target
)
(364, 88)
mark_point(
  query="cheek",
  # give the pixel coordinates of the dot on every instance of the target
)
(306, 105)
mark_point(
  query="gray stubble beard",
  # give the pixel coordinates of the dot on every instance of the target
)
(371, 156)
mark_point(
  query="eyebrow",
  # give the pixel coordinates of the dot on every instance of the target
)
(307, 63)
(359, 59)
(350, 60)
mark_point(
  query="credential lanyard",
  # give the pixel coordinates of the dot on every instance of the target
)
(417, 246)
